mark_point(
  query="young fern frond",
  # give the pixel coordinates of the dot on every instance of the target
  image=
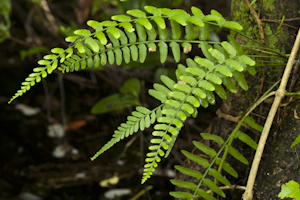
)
(141, 118)
(195, 88)
(126, 38)
(216, 160)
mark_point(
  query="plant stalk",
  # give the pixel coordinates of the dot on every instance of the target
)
(248, 195)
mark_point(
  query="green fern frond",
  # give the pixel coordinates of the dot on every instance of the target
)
(141, 118)
(216, 160)
(195, 87)
(125, 38)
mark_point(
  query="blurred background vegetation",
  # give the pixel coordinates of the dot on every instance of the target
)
(48, 135)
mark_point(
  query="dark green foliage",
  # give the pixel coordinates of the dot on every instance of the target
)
(195, 189)
(128, 96)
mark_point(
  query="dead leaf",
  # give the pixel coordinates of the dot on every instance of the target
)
(76, 124)
(295, 114)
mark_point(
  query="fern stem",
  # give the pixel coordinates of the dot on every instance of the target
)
(229, 140)
(127, 45)
(133, 21)
(266, 95)
(261, 51)
(210, 165)
(293, 93)
(263, 46)
(267, 56)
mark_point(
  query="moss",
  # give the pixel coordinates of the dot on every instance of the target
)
(269, 5)
(270, 38)
(243, 15)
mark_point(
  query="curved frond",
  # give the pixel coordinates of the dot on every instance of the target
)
(135, 34)
(195, 87)
(139, 120)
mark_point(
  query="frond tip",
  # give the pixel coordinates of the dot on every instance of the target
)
(141, 118)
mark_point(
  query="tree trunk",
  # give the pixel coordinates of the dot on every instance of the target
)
(279, 163)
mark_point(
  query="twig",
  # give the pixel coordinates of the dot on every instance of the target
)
(295, 75)
(293, 81)
(291, 19)
(30, 31)
(17, 40)
(263, 51)
(227, 117)
(50, 17)
(279, 21)
(262, 82)
(231, 118)
(248, 195)
(262, 33)
(230, 188)
(257, 115)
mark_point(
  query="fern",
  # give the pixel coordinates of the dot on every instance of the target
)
(195, 87)
(130, 37)
(216, 160)
(89, 49)
(141, 118)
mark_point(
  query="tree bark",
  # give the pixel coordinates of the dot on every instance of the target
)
(279, 163)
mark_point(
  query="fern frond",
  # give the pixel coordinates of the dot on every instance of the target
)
(141, 118)
(195, 87)
(216, 160)
(114, 41)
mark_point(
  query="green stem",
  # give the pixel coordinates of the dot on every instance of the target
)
(291, 94)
